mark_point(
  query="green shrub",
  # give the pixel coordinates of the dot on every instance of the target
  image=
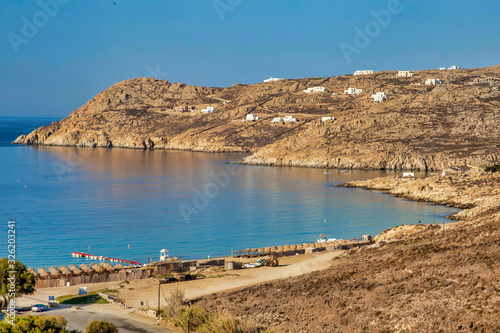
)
(492, 168)
(37, 324)
(175, 301)
(197, 316)
(101, 327)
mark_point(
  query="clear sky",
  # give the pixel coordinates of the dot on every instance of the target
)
(55, 55)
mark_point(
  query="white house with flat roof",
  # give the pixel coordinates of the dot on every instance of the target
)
(276, 120)
(289, 119)
(454, 67)
(431, 82)
(314, 90)
(352, 91)
(252, 117)
(273, 79)
(208, 109)
(404, 74)
(323, 119)
(379, 97)
(363, 72)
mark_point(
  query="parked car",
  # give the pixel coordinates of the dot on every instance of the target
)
(39, 307)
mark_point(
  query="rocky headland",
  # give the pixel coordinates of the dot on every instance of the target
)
(452, 125)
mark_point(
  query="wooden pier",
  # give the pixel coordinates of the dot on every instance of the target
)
(94, 257)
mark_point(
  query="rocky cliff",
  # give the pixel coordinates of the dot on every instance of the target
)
(419, 127)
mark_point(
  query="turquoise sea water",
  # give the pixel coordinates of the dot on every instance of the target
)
(100, 201)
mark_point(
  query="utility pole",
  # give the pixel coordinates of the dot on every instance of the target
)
(159, 284)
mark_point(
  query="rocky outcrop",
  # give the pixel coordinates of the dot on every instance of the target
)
(449, 126)
(477, 193)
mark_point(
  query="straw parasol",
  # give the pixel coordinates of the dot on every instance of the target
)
(65, 271)
(119, 266)
(32, 271)
(75, 269)
(43, 273)
(293, 247)
(54, 272)
(86, 269)
(107, 266)
(98, 269)
(130, 266)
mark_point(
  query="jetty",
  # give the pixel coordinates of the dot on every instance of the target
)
(94, 257)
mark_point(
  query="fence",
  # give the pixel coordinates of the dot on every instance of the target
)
(135, 274)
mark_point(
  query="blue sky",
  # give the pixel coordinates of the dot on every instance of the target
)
(79, 48)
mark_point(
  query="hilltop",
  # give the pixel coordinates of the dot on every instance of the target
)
(419, 127)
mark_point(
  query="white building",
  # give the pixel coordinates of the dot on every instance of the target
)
(272, 79)
(379, 97)
(364, 72)
(323, 119)
(289, 119)
(442, 68)
(431, 82)
(276, 120)
(314, 89)
(454, 67)
(208, 109)
(404, 74)
(252, 117)
(353, 91)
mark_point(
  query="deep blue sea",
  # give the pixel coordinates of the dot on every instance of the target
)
(130, 204)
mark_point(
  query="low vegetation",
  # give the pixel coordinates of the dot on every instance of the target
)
(492, 168)
(198, 319)
(51, 324)
(92, 298)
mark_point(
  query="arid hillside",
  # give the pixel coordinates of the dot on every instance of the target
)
(416, 278)
(452, 125)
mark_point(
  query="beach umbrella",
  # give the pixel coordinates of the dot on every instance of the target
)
(130, 266)
(65, 271)
(107, 266)
(32, 271)
(293, 247)
(54, 272)
(43, 273)
(75, 269)
(119, 266)
(86, 269)
(98, 269)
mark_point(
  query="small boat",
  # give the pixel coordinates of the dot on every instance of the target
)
(344, 170)
(328, 173)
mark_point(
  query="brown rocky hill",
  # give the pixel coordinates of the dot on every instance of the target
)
(450, 125)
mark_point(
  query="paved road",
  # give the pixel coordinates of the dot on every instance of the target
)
(125, 322)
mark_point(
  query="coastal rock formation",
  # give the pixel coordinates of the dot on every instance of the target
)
(450, 126)
(477, 193)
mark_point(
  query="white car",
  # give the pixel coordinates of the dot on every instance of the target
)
(39, 307)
